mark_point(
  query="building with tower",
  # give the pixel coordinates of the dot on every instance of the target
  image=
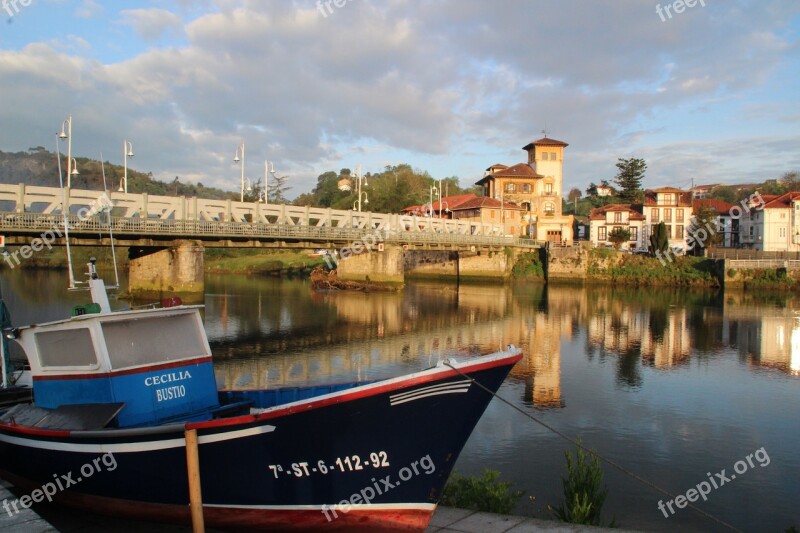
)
(536, 186)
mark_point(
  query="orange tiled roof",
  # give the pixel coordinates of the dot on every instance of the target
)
(600, 212)
(783, 201)
(544, 141)
(484, 201)
(718, 206)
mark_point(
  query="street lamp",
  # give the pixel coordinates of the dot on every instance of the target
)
(74, 169)
(434, 191)
(66, 133)
(358, 202)
(237, 159)
(127, 151)
(359, 179)
(267, 172)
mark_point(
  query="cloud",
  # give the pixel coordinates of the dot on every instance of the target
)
(456, 85)
(151, 24)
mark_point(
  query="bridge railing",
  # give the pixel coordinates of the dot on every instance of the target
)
(22, 199)
(53, 224)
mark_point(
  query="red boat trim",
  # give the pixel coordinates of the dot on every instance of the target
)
(127, 371)
(34, 431)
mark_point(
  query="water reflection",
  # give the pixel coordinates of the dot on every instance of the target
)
(654, 379)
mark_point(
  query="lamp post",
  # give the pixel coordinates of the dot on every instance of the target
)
(127, 151)
(67, 134)
(359, 179)
(237, 159)
(433, 191)
(267, 165)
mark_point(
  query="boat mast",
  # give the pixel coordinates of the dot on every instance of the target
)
(65, 212)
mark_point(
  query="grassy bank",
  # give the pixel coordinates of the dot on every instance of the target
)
(528, 267)
(618, 268)
(261, 262)
(217, 260)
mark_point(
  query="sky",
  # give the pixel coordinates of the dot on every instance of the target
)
(708, 93)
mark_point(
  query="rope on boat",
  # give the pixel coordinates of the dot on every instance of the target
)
(611, 463)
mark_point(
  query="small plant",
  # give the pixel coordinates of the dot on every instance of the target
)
(583, 494)
(485, 493)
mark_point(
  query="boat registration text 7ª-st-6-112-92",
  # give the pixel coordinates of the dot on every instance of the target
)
(340, 464)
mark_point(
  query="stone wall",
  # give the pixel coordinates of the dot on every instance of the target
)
(374, 266)
(430, 264)
(567, 263)
(168, 272)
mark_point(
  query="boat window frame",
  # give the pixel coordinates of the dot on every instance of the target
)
(99, 354)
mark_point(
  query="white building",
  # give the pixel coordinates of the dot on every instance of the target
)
(773, 228)
(603, 221)
(671, 206)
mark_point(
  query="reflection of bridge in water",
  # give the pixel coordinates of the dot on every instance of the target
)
(385, 335)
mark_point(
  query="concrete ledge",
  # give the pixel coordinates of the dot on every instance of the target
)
(451, 520)
(26, 520)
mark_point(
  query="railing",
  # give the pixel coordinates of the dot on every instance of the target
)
(50, 226)
(764, 264)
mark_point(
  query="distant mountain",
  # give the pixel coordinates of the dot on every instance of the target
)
(39, 166)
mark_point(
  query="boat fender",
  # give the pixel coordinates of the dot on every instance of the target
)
(172, 301)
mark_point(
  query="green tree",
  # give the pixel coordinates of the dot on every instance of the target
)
(725, 193)
(277, 189)
(791, 181)
(629, 178)
(704, 231)
(591, 190)
(659, 241)
(618, 236)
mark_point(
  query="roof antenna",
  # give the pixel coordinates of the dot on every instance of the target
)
(544, 131)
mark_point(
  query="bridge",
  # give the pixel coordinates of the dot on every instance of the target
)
(185, 226)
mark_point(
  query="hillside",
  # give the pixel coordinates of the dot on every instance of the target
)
(39, 166)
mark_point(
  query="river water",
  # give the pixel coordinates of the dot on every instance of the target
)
(674, 386)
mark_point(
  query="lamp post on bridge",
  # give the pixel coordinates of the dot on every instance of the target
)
(127, 151)
(66, 133)
(237, 159)
(359, 179)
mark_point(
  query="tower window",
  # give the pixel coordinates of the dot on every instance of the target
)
(552, 156)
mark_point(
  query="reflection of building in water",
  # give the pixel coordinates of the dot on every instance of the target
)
(771, 340)
(541, 365)
(660, 335)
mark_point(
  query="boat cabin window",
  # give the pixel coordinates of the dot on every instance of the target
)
(66, 348)
(153, 340)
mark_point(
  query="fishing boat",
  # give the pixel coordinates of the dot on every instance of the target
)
(127, 420)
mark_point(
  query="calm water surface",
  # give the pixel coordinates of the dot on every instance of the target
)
(672, 385)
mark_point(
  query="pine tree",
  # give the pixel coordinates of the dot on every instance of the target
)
(629, 178)
(277, 188)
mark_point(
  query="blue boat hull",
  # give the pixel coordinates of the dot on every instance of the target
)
(375, 456)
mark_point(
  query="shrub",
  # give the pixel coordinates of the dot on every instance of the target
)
(485, 493)
(583, 495)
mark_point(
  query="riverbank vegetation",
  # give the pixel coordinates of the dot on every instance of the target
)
(260, 262)
(528, 267)
(584, 492)
(485, 494)
(620, 268)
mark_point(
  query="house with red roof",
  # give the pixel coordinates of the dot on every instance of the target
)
(727, 222)
(604, 220)
(440, 208)
(489, 211)
(671, 206)
(771, 223)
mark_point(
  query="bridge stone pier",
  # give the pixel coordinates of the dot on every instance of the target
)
(380, 267)
(163, 272)
(395, 263)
